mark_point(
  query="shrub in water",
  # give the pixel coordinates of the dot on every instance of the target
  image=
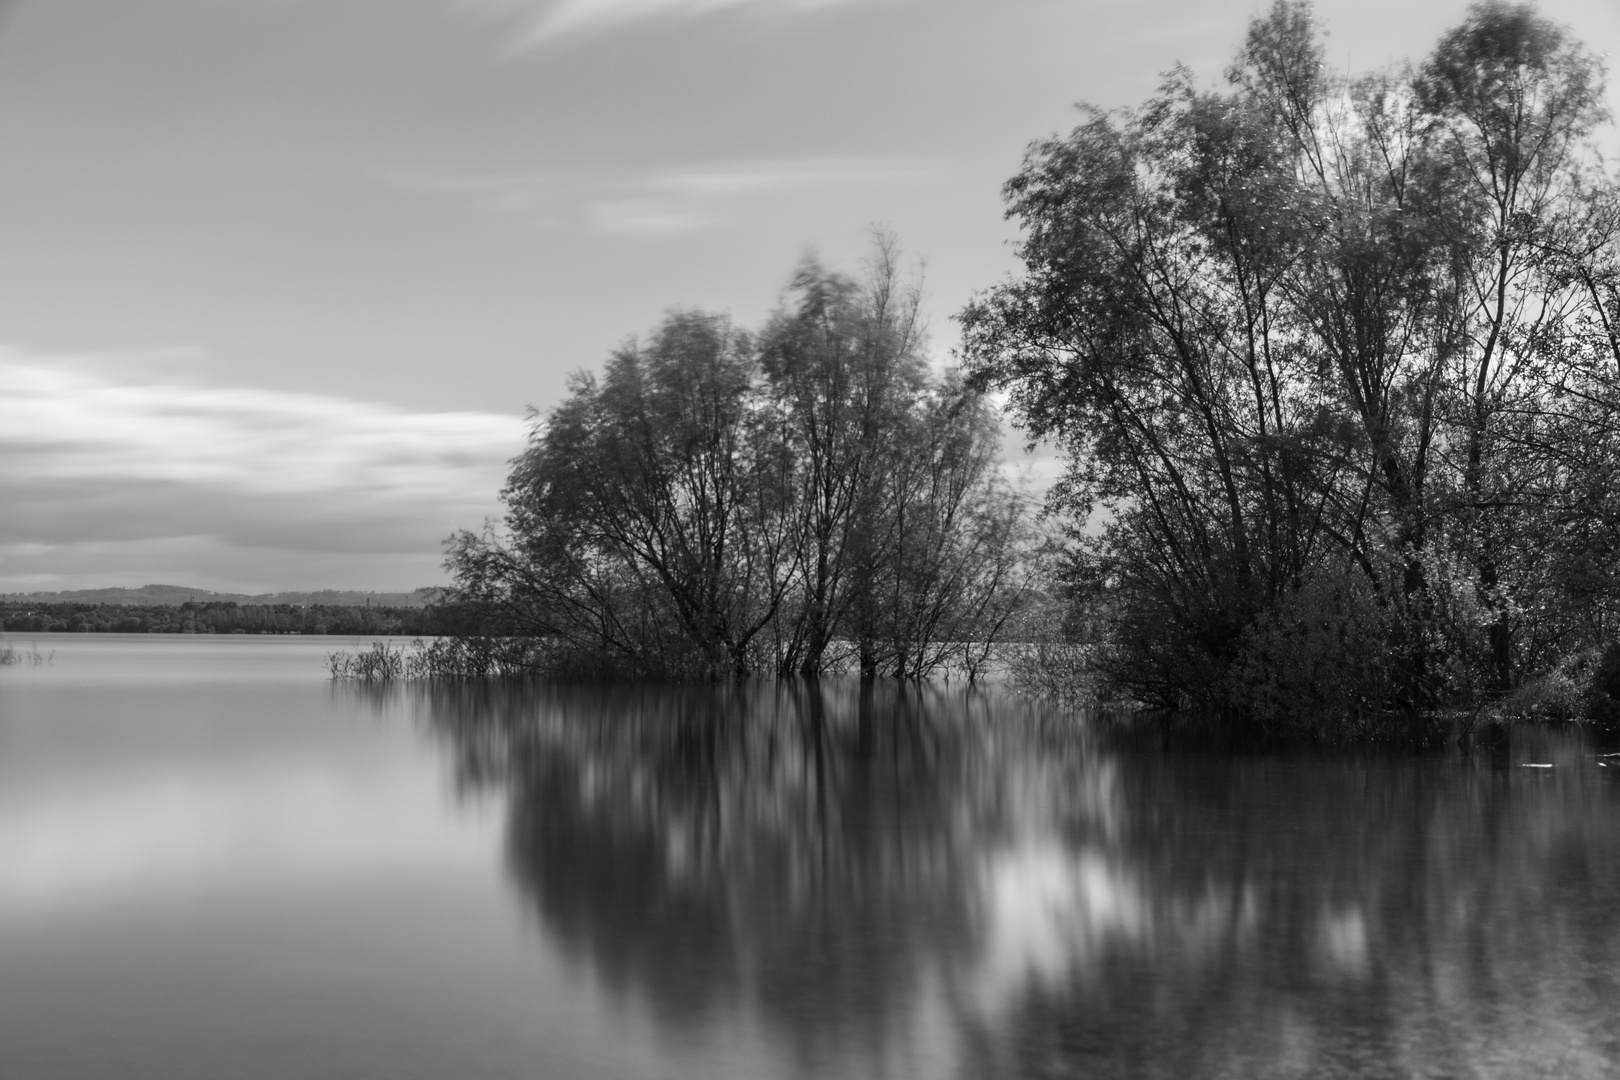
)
(471, 657)
(376, 664)
(475, 657)
(10, 654)
(1046, 658)
(1603, 694)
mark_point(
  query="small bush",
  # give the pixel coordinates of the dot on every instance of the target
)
(1047, 651)
(471, 657)
(1603, 692)
(1051, 668)
(1046, 660)
(1561, 694)
(379, 663)
(479, 657)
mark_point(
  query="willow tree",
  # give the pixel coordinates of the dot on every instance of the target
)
(1481, 155)
(647, 522)
(1305, 329)
(908, 541)
(844, 368)
(717, 503)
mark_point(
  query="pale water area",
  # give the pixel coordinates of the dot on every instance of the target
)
(215, 863)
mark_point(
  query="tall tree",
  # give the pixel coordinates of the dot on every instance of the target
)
(1509, 103)
(1307, 324)
(643, 518)
(845, 369)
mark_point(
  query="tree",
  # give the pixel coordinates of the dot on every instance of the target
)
(720, 504)
(1508, 104)
(958, 551)
(645, 517)
(844, 370)
(1308, 325)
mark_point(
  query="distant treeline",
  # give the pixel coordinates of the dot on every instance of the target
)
(175, 595)
(216, 617)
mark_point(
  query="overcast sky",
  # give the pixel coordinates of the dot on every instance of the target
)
(278, 278)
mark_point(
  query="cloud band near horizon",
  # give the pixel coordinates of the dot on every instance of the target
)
(113, 479)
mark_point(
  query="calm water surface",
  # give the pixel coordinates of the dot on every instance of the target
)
(214, 863)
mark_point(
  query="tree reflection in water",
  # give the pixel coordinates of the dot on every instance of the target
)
(903, 881)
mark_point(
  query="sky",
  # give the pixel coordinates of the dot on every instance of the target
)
(280, 279)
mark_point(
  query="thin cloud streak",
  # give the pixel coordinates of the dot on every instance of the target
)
(662, 203)
(72, 424)
(548, 21)
(234, 479)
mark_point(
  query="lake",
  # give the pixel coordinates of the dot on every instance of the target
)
(216, 863)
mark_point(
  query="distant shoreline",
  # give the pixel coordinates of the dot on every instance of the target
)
(175, 595)
(215, 616)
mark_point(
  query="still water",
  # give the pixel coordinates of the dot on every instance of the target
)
(214, 863)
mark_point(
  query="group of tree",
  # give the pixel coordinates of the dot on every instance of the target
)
(805, 498)
(1335, 366)
(1333, 362)
(217, 617)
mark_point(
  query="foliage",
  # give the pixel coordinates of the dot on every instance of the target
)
(1315, 664)
(717, 503)
(843, 367)
(1560, 694)
(1603, 694)
(1044, 658)
(1309, 323)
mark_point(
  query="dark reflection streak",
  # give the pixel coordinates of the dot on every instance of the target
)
(833, 948)
(817, 736)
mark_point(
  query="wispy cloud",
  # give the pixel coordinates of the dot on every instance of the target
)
(238, 486)
(656, 204)
(546, 21)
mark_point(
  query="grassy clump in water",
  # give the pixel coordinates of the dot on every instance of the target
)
(450, 658)
(10, 654)
(379, 663)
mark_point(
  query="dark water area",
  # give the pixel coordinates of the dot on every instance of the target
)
(215, 863)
